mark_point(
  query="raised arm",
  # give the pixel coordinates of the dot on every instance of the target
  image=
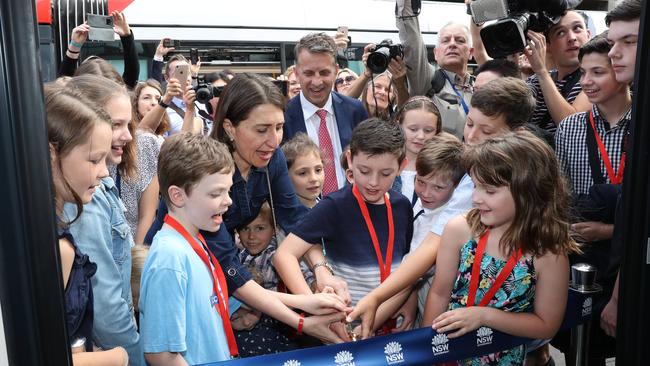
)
(419, 72)
(131, 62)
(78, 38)
(557, 105)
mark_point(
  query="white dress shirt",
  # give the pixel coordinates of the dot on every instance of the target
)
(312, 123)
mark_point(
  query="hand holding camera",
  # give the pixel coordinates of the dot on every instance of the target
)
(379, 59)
(173, 90)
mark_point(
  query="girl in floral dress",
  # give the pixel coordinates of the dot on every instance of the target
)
(504, 264)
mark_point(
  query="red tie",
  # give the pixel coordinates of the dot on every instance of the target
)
(326, 148)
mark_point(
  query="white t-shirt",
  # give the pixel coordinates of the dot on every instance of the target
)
(459, 203)
(408, 183)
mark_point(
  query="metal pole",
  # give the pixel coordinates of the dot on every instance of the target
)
(583, 281)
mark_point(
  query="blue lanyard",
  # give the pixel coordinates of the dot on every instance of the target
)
(462, 100)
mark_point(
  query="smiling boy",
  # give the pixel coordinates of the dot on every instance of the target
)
(363, 224)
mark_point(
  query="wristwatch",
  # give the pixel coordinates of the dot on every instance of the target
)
(323, 264)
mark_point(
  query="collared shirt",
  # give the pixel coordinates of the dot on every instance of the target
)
(450, 104)
(176, 121)
(571, 146)
(312, 124)
(541, 116)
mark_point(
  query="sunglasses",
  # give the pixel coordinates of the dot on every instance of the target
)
(347, 79)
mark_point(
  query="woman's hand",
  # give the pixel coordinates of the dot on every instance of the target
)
(321, 304)
(366, 309)
(462, 320)
(120, 26)
(366, 52)
(319, 326)
(79, 35)
(161, 50)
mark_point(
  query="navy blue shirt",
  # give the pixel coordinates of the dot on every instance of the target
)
(337, 219)
(247, 198)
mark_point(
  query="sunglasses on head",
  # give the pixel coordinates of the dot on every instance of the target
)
(347, 79)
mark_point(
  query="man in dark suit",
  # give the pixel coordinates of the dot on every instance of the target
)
(326, 116)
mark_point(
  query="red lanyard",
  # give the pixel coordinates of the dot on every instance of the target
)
(613, 178)
(476, 272)
(220, 286)
(384, 267)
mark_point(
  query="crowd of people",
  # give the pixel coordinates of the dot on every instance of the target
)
(350, 206)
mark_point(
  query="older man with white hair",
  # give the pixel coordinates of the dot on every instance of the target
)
(447, 81)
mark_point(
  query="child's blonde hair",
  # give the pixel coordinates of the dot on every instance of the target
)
(528, 167)
(441, 155)
(299, 145)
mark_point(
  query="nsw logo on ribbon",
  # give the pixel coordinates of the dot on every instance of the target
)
(483, 336)
(291, 363)
(440, 344)
(344, 358)
(393, 352)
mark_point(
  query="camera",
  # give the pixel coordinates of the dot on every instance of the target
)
(379, 59)
(205, 92)
(514, 19)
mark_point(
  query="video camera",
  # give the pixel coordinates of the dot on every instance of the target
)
(379, 59)
(514, 18)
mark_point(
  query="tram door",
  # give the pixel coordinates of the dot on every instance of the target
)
(31, 289)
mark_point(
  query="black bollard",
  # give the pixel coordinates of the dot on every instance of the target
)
(583, 281)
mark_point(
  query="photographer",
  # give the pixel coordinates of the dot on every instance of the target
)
(558, 92)
(448, 83)
(79, 37)
(396, 78)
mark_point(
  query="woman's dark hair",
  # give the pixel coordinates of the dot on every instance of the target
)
(499, 66)
(239, 97)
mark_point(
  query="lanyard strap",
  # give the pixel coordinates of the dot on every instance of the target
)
(462, 100)
(614, 178)
(219, 284)
(476, 272)
(384, 267)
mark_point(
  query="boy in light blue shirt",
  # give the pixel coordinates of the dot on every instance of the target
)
(183, 292)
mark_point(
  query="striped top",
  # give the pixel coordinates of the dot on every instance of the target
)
(541, 117)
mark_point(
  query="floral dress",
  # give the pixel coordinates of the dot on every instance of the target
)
(516, 294)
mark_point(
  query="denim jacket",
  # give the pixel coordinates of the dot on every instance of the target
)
(103, 234)
(247, 198)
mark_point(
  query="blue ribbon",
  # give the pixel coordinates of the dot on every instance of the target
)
(416, 347)
(462, 100)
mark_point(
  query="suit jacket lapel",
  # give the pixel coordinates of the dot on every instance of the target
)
(343, 119)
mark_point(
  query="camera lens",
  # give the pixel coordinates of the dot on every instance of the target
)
(378, 60)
